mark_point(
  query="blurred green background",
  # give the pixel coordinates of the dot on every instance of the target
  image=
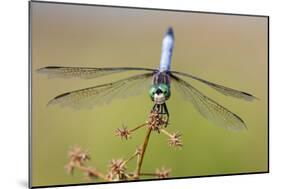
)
(225, 49)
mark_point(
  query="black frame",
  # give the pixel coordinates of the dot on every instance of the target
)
(143, 8)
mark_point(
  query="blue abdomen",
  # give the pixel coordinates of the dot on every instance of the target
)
(167, 50)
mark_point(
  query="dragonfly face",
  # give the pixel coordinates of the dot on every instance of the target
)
(159, 93)
(160, 90)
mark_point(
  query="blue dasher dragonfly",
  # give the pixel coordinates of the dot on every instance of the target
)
(159, 81)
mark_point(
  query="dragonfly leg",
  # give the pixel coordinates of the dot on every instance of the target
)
(159, 108)
(167, 114)
(154, 108)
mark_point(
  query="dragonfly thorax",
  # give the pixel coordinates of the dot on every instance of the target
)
(159, 93)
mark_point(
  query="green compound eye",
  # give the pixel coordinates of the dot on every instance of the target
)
(165, 89)
(152, 91)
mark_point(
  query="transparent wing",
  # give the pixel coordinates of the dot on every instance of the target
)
(208, 108)
(85, 73)
(224, 90)
(104, 94)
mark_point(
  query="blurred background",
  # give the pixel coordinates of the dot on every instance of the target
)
(225, 49)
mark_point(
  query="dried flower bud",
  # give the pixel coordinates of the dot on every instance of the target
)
(156, 121)
(117, 167)
(175, 140)
(162, 172)
(123, 132)
(77, 155)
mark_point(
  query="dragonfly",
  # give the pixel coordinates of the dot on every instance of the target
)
(158, 83)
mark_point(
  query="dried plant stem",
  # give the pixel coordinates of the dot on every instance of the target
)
(166, 132)
(129, 176)
(141, 156)
(91, 171)
(136, 128)
(129, 159)
(142, 174)
(117, 167)
(148, 174)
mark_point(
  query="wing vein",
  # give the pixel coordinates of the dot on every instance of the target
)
(208, 108)
(222, 89)
(103, 94)
(85, 72)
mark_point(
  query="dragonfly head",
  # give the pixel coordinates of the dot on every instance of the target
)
(159, 93)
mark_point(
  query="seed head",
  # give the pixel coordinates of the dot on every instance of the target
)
(117, 167)
(123, 132)
(156, 121)
(163, 172)
(175, 140)
(77, 155)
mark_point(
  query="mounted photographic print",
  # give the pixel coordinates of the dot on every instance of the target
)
(120, 94)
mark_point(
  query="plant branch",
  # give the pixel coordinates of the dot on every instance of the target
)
(91, 172)
(140, 126)
(129, 159)
(166, 132)
(141, 156)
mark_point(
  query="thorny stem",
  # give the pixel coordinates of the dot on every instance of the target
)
(143, 148)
